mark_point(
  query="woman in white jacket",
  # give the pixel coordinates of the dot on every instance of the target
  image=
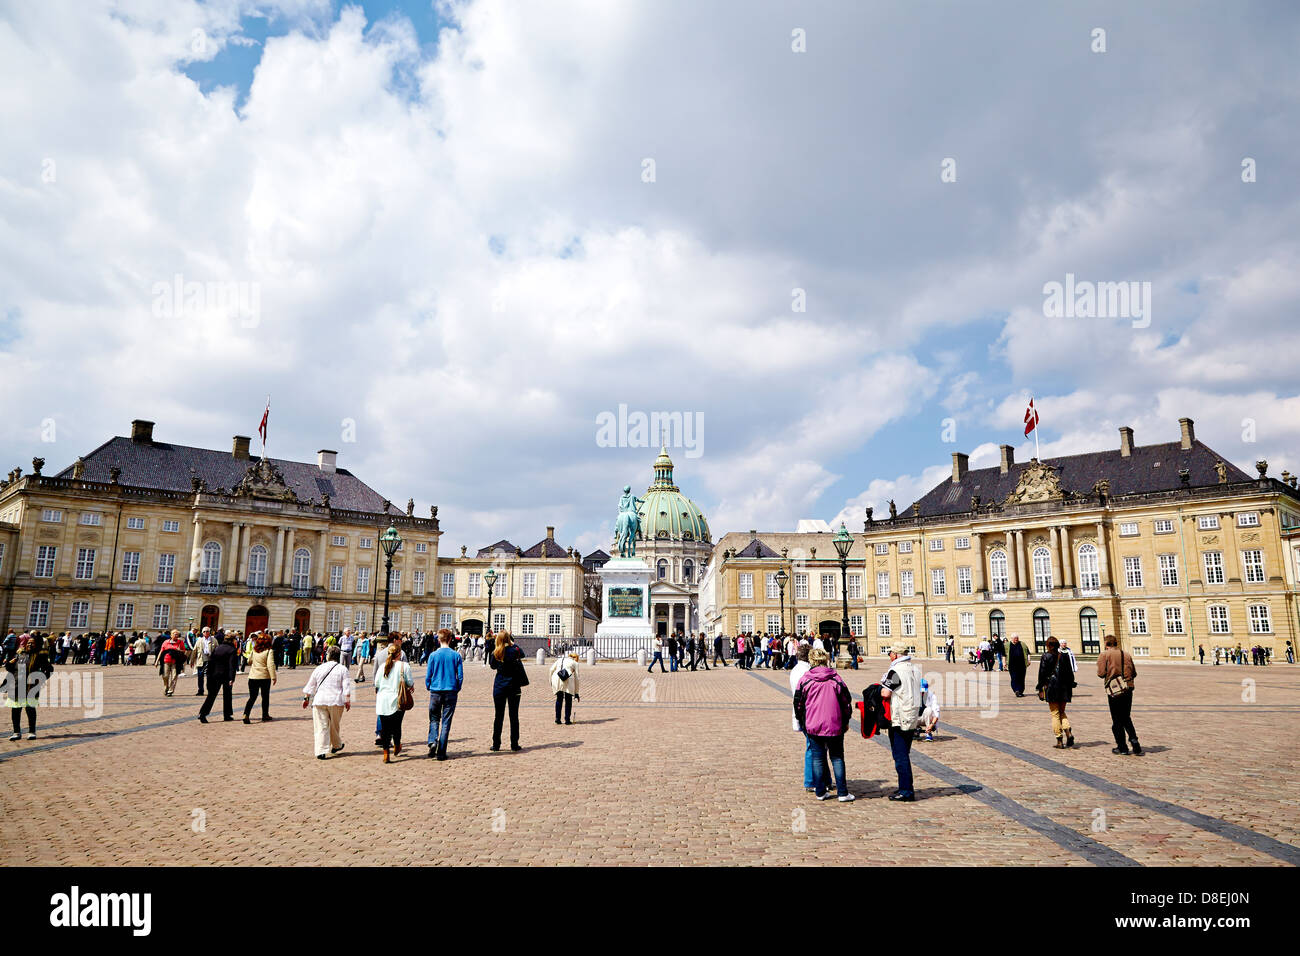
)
(331, 685)
(564, 681)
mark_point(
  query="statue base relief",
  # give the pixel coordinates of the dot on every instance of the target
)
(625, 625)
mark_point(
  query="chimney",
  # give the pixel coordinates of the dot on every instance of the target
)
(142, 432)
(240, 447)
(1189, 433)
(960, 465)
(1008, 458)
(327, 460)
(550, 531)
(1125, 441)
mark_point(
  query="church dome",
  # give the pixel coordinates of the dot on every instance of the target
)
(666, 513)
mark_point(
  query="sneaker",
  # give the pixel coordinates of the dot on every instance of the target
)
(847, 798)
(901, 797)
(31, 736)
(1119, 750)
(929, 737)
(15, 736)
(825, 796)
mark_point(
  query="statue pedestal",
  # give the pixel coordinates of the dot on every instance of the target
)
(625, 625)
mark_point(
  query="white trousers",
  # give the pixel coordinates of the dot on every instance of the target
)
(326, 721)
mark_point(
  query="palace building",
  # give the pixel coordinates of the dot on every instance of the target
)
(1168, 546)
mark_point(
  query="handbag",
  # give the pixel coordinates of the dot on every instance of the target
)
(405, 694)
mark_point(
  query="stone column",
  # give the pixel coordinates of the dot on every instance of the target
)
(1103, 561)
(196, 553)
(245, 545)
(319, 557)
(288, 557)
(1026, 560)
(1054, 550)
(231, 567)
(1013, 570)
(1067, 558)
(277, 572)
(977, 546)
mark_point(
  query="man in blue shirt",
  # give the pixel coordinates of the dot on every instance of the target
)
(443, 681)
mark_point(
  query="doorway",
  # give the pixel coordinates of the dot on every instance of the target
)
(209, 616)
(256, 620)
(301, 620)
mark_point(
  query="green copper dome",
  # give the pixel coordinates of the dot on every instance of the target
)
(666, 512)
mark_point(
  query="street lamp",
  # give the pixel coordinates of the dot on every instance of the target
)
(489, 578)
(390, 541)
(843, 542)
(781, 578)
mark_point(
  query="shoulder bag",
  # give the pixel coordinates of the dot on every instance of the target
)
(1118, 685)
(405, 694)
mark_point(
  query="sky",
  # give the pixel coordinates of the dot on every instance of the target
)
(449, 239)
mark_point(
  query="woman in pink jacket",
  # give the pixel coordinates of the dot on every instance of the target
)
(822, 703)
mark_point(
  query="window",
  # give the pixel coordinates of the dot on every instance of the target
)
(1141, 652)
(747, 623)
(904, 547)
(998, 572)
(553, 624)
(333, 619)
(475, 587)
(997, 624)
(1173, 619)
(1213, 567)
(1219, 619)
(663, 570)
(338, 540)
(746, 585)
(963, 581)
(417, 583)
(1042, 630)
(92, 518)
(130, 566)
(336, 577)
(52, 515)
(936, 544)
(801, 623)
(530, 584)
(85, 564)
(855, 587)
(359, 619)
(882, 624)
(1042, 571)
(773, 623)
(363, 580)
(1248, 519)
(395, 581)
(448, 584)
(1259, 619)
(882, 547)
(938, 582)
(1089, 631)
(882, 584)
(1133, 572)
(257, 568)
(366, 543)
(941, 623)
(1208, 522)
(1177, 652)
(1168, 570)
(134, 524)
(1137, 620)
(526, 625)
(125, 614)
(905, 586)
(166, 568)
(688, 571)
(79, 616)
(855, 625)
(45, 555)
(1162, 526)
(172, 527)
(1253, 564)
(1128, 529)
(444, 619)
(417, 621)
(909, 624)
(967, 619)
(555, 584)
(961, 544)
(38, 614)
(801, 587)
(421, 547)
(771, 588)
(211, 570)
(828, 587)
(301, 580)
(162, 615)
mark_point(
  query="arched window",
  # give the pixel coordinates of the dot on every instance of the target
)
(663, 570)
(211, 573)
(688, 569)
(998, 572)
(1042, 630)
(301, 569)
(1089, 632)
(257, 567)
(1089, 576)
(997, 624)
(1042, 571)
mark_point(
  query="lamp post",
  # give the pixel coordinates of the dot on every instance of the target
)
(390, 541)
(843, 542)
(781, 578)
(489, 578)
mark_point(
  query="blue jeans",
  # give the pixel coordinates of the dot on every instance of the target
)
(810, 762)
(900, 742)
(835, 747)
(442, 705)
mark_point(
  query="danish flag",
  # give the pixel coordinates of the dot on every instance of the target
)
(1031, 418)
(261, 429)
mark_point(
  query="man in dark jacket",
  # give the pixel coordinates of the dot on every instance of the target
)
(717, 651)
(221, 676)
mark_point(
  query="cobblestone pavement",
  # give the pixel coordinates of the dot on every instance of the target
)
(677, 768)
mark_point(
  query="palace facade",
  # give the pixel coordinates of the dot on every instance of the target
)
(1168, 546)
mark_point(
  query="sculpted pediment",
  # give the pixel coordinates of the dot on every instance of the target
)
(264, 480)
(1038, 482)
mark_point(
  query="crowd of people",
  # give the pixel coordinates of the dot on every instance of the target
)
(746, 650)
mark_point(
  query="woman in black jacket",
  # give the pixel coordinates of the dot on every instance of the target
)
(1055, 685)
(30, 667)
(508, 661)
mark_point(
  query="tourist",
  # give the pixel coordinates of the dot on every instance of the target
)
(1056, 685)
(1290, 654)
(443, 681)
(741, 660)
(814, 765)
(141, 650)
(261, 674)
(28, 660)
(1118, 672)
(1017, 664)
(950, 648)
(221, 677)
(999, 651)
(329, 693)
(391, 677)
(1069, 656)
(823, 703)
(672, 653)
(658, 645)
(564, 682)
(199, 655)
(702, 651)
(901, 686)
(363, 655)
(853, 652)
(689, 641)
(1201, 648)
(346, 643)
(930, 710)
(171, 662)
(717, 651)
(507, 659)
